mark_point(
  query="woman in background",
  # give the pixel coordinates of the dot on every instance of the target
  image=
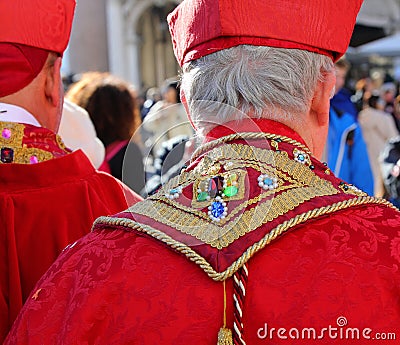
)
(111, 104)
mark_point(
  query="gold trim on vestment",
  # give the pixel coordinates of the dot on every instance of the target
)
(296, 185)
(272, 235)
(21, 153)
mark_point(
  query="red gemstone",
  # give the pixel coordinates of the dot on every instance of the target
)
(7, 155)
(215, 186)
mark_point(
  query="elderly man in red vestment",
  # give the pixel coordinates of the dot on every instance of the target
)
(49, 197)
(256, 241)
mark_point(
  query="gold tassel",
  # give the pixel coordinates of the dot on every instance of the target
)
(225, 334)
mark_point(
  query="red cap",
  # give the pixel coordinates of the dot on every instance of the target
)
(202, 27)
(29, 29)
(44, 24)
(19, 65)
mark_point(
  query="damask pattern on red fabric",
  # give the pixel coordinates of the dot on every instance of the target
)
(116, 287)
(43, 208)
(119, 285)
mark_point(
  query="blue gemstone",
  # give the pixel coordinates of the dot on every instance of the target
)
(217, 209)
(301, 157)
(268, 181)
(173, 191)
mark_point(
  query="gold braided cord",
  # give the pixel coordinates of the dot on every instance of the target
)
(250, 136)
(272, 235)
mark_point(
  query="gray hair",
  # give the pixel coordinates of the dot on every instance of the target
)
(261, 81)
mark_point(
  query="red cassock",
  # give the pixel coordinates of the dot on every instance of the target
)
(309, 258)
(44, 207)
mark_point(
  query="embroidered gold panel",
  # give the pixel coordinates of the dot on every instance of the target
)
(296, 184)
(21, 153)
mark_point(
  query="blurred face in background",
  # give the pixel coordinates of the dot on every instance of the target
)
(170, 95)
(340, 78)
(388, 96)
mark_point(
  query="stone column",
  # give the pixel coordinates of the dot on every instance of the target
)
(133, 61)
(116, 38)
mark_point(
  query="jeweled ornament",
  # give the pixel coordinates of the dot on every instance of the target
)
(215, 185)
(217, 210)
(267, 182)
(301, 157)
(202, 196)
(230, 191)
(7, 155)
(6, 133)
(33, 160)
(174, 193)
(230, 186)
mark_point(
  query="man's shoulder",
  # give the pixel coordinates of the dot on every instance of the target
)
(363, 219)
(66, 180)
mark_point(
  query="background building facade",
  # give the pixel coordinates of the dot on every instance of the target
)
(130, 38)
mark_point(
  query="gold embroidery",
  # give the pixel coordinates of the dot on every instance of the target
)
(272, 235)
(300, 185)
(350, 189)
(22, 153)
(275, 145)
(248, 136)
(61, 143)
(17, 134)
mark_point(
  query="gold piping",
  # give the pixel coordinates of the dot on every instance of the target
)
(272, 235)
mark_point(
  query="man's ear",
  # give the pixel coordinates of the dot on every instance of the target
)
(53, 80)
(321, 101)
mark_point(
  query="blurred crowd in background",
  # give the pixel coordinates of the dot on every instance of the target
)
(144, 137)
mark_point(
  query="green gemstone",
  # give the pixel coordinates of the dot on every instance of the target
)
(231, 191)
(202, 196)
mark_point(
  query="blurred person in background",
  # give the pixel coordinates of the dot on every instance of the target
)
(152, 97)
(78, 132)
(388, 99)
(167, 118)
(49, 196)
(111, 104)
(342, 97)
(363, 89)
(390, 169)
(345, 150)
(377, 128)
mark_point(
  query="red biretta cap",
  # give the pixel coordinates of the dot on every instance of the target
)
(29, 29)
(202, 27)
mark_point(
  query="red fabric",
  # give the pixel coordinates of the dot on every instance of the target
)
(43, 208)
(118, 286)
(19, 65)
(44, 24)
(115, 287)
(253, 125)
(202, 27)
(221, 259)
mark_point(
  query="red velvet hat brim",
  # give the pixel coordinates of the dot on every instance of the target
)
(19, 66)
